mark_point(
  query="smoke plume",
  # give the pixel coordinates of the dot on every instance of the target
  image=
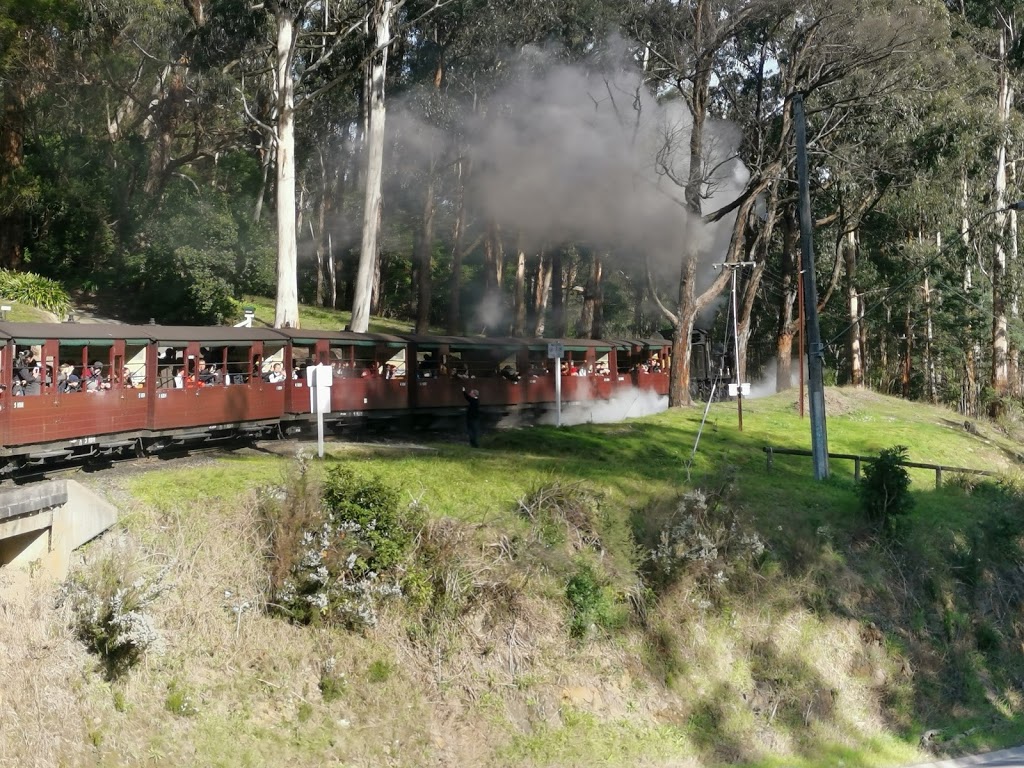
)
(588, 154)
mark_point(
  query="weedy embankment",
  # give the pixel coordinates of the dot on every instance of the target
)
(564, 597)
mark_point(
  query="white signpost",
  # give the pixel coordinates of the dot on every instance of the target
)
(555, 352)
(319, 380)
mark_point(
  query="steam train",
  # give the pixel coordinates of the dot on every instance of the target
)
(105, 390)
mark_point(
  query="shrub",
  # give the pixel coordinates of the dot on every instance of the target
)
(592, 602)
(563, 513)
(885, 491)
(332, 682)
(703, 539)
(345, 556)
(180, 700)
(109, 602)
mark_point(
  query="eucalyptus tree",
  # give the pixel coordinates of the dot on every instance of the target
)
(993, 29)
(299, 42)
(687, 50)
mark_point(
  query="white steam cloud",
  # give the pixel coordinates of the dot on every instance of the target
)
(586, 153)
(629, 404)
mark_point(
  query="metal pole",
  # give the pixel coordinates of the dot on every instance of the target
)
(800, 331)
(733, 266)
(815, 350)
(736, 355)
(558, 391)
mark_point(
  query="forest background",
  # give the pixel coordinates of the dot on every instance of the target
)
(535, 168)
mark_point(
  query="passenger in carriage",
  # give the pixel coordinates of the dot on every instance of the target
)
(166, 367)
(94, 381)
(276, 375)
(31, 379)
(179, 378)
(389, 371)
(510, 374)
(205, 375)
(429, 366)
(67, 380)
(130, 380)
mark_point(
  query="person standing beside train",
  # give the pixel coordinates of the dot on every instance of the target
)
(472, 416)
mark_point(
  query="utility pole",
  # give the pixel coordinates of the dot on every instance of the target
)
(815, 349)
(733, 267)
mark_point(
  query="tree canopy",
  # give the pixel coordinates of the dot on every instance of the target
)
(544, 169)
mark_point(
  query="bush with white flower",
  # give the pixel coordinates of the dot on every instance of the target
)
(108, 602)
(705, 540)
(349, 554)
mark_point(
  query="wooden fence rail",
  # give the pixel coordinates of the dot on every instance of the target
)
(857, 459)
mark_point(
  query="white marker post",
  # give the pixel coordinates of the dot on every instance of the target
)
(555, 352)
(319, 379)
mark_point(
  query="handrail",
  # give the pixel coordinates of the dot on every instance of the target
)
(770, 452)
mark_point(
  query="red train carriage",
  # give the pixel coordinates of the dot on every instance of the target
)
(207, 380)
(370, 372)
(647, 362)
(72, 390)
(84, 397)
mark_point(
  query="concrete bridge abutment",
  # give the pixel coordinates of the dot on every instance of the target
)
(43, 523)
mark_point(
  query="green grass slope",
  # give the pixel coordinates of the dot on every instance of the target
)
(549, 634)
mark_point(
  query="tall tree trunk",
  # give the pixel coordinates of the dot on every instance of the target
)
(286, 314)
(424, 247)
(639, 297)
(757, 243)
(542, 290)
(908, 349)
(931, 385)
(165, 123)
(589, 313)
(320, 237)
(458, 238)
(492, 308)
(368, 261)
(1013, 285)
(558, 318)
(853, 349)
(1000, 379)
(519, 294)
(883, 351)
(425, 243)
(787, 322)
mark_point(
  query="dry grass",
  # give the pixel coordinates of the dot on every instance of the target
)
(486, 677)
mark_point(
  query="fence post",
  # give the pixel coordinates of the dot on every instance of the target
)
(769, 457)
(856, 469)
(938, 477)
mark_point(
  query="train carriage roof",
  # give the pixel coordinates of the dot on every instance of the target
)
(211, 334)
(656, 341)
(304, 336)
(104, 334)
(74, 334)
(464, 342)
